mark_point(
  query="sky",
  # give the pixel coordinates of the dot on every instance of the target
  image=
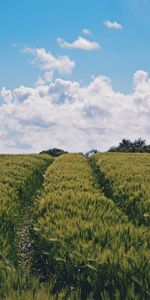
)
(74, 74)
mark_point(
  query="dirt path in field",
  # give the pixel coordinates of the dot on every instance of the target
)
(24, 239)
(26, 245)
(100, 178)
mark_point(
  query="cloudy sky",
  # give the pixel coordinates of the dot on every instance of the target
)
(74, 74)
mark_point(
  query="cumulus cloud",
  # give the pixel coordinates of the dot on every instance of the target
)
(6, 94)
(22, 93)
(80, 43)
(86, 31)
(65, 114)
(47, 77)
(112, 25)
(140, 77)
(48, 62)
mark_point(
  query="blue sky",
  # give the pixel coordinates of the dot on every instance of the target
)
(38, 23)
(106, 59)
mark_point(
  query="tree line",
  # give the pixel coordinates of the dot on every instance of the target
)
(126, 145)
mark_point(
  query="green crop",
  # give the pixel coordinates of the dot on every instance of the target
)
(128, 177)
(80, 227)
(20, 176)
(86, 240)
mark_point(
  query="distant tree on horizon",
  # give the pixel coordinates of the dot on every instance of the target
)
(126, 145)
(54, 152)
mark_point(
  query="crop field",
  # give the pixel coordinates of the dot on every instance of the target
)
(128, 177)
(20, 176)
(75, 227)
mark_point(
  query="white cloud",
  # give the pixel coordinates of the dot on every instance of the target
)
(40, 81)
(86, 31)
(47, 77)
(64, 114)
(112, 25)
(6, 94)
(80, 43)
(22, 93)
(140, 77)
(48, 62)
